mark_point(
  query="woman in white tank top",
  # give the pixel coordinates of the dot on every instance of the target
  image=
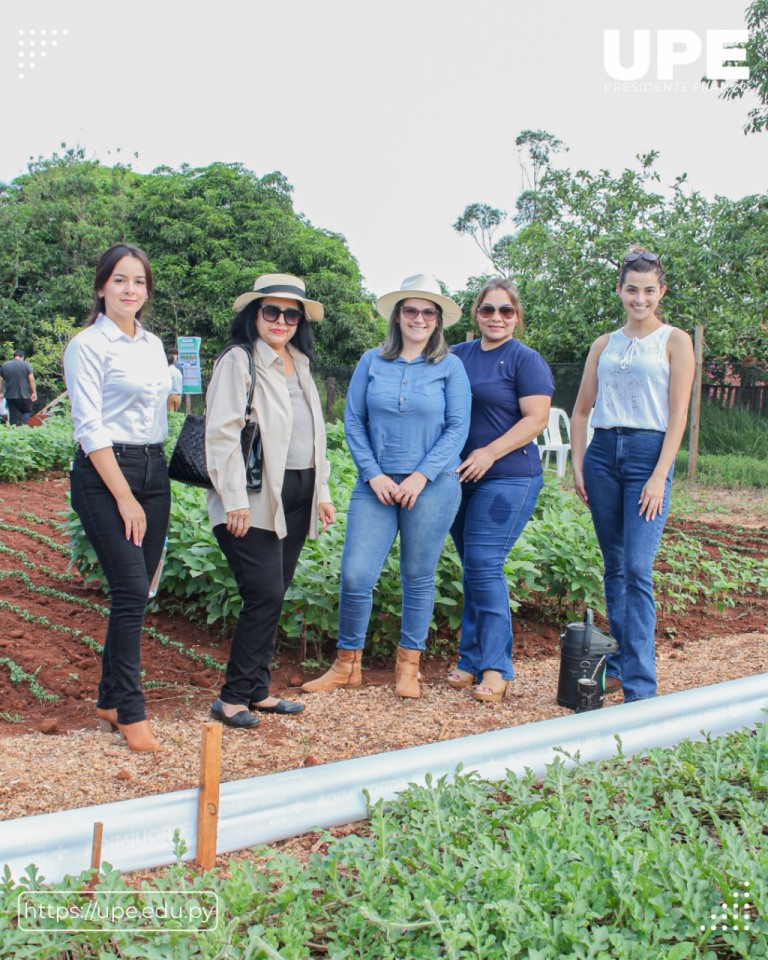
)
(638, 380)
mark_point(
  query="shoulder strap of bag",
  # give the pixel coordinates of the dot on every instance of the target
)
(249, 354)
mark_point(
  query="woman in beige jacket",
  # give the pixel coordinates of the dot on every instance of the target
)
(262, 534)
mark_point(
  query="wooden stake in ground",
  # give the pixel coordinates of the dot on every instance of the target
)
(208, 797)
(98, 834)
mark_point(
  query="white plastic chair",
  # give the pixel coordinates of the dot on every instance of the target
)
(554, 441)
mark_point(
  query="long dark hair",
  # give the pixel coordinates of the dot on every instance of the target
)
(243, 330)
(106, 267)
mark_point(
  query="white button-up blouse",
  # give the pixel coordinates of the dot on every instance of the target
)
(118, 386)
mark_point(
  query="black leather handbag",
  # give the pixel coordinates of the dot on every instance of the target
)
(188, 464)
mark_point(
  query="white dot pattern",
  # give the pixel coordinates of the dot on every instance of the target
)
(27, 51)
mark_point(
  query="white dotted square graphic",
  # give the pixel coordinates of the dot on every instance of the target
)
(732, 916)
(34, 45)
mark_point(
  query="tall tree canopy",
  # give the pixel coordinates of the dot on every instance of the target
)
(209, 232)
(756, 61)
(572, 228)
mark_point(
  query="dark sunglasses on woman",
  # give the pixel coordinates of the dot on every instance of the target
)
(487, 310)
(271, 313)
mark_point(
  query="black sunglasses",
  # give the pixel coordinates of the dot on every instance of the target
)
(642, 255)
(292, 316)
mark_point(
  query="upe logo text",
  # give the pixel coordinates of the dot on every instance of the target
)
(676, 48)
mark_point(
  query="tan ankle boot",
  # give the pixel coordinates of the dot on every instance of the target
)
(107, 719)
(407, 674)
(139, 736)
(345, 672)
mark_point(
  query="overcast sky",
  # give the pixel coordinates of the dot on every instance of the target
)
(388, 119)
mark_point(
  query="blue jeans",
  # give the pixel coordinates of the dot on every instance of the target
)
(490, 519)
(128, 568)
(371, 530)
(617, 464)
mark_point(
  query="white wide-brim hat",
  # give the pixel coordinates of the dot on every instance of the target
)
(280, 285)
(427, 288)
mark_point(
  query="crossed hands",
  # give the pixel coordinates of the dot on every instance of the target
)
(403, 494)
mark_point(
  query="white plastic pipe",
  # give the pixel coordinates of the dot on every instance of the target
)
(139, 833)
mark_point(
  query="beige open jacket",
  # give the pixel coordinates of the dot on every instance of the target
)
(271, 408)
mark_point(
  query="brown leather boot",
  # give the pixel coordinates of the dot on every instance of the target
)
(345, 672)
(407, 674)
(139, 736)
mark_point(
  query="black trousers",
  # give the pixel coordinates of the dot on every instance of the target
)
(128, 568)
(19, 410)
(263, 566)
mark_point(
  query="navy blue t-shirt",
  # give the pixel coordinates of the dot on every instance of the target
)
(498, 378)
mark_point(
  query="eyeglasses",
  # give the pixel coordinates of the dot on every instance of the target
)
(487, 310)
(429, 313)
(292, 316)
(642, 255)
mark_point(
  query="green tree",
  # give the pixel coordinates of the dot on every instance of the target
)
(209, 233)
(756, 52)
(573, 228)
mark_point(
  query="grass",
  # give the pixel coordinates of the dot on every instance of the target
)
(726, 470)
(733, 448)
(732, 431)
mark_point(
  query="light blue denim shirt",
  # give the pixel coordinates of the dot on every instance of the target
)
(402, 417)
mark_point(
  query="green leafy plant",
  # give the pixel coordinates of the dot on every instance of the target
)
(555, 566)
(11, 717)
(623, 859)
(26, 452)
(19, 675)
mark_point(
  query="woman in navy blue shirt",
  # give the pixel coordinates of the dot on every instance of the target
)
(406, 421)
(501, 478)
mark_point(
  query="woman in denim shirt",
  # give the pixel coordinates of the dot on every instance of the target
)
(406, 421)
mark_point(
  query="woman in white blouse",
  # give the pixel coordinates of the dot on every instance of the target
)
(118, 382)
(639, 381)
(262, 534)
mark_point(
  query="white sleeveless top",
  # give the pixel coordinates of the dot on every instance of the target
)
(633, 382)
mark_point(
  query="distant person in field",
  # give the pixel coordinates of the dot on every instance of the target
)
(17, 388)
(501, 478)
(638, 380)
(177, 382)
(118, 382)
(406, 420)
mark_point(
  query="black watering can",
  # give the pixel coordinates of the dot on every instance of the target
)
(583, 649)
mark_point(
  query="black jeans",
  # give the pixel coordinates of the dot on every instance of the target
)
(128, 568)
(263, 566)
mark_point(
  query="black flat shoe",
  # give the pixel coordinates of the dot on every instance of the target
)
(240, 721)
(282, 706)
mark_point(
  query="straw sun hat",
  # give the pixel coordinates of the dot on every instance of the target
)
(280, 285)
(425, 287)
